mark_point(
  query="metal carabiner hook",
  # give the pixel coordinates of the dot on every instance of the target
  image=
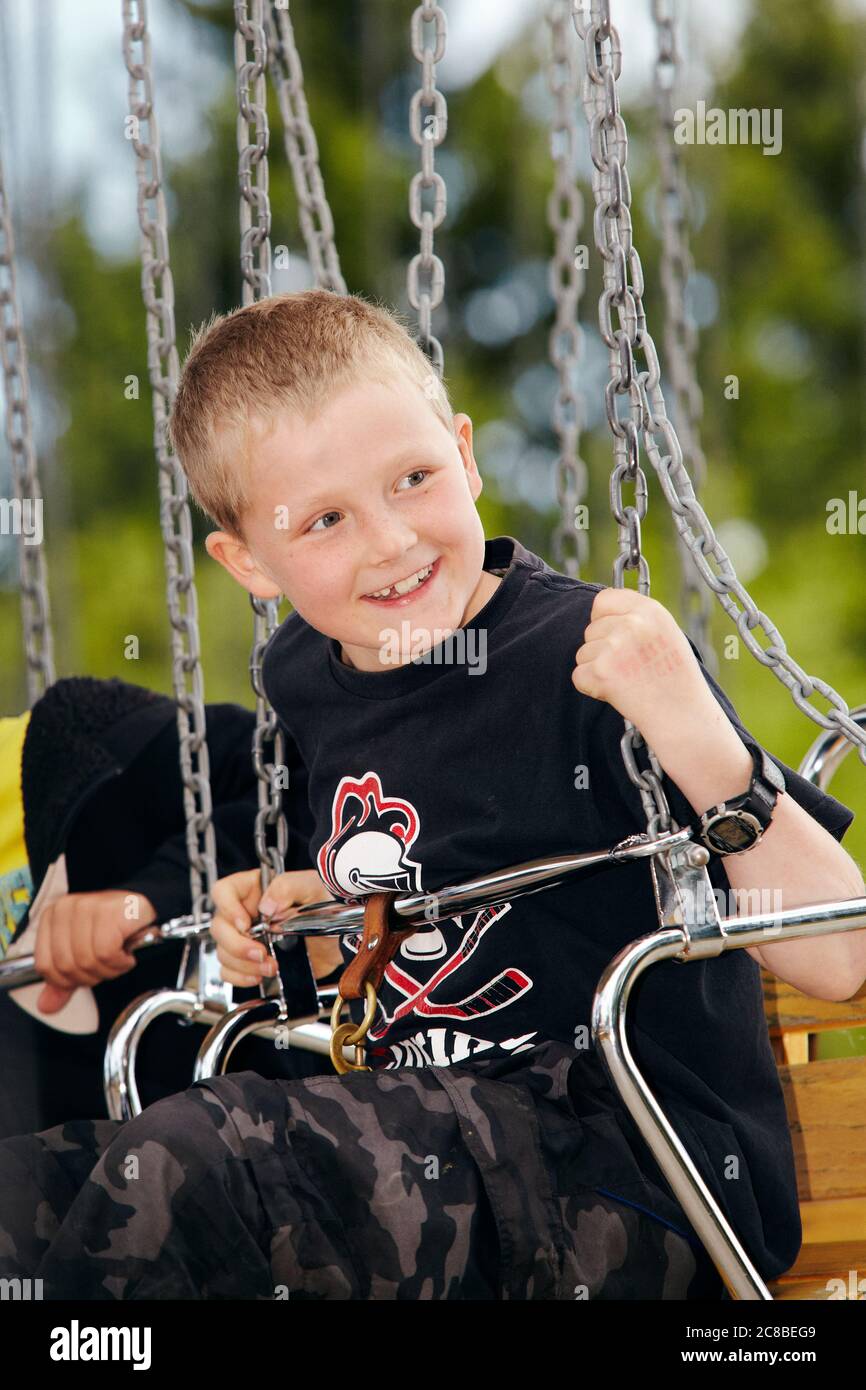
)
(342, 1033)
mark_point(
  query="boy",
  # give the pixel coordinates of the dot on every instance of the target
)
(485, 1155)
(92, 849)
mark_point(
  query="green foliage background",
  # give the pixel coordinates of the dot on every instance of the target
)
(782, 237)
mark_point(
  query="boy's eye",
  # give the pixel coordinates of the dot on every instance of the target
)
(323, 517)
(417, 473)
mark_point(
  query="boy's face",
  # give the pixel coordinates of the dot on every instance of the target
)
(373, 490)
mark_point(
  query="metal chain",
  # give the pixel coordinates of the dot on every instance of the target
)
(251, 58)
(32, 567)
(158, 293)
(302, 151)
(681, 339)
(567, 280)
(426, 299)
(612, 231)
(255, 207)
(623, 288)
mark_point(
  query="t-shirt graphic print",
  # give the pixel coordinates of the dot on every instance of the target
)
(368, 851)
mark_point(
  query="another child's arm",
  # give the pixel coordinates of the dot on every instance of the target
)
(81, 938)
(637, 658)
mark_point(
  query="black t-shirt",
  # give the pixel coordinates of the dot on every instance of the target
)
(470, 760)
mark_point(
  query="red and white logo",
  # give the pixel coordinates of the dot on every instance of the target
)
(368, 852)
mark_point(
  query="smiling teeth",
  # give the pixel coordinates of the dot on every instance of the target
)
(405, 585)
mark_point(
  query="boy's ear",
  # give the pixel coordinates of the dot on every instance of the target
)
(234, 556)
(463, 428)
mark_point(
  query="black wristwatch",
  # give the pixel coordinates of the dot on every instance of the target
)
(738, 824)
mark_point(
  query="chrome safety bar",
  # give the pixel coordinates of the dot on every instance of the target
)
(418, 909)
(698, 932)
(330, 918)
(198, 1005)
(122, 1098)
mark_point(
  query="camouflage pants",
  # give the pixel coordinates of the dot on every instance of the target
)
(488, 1180)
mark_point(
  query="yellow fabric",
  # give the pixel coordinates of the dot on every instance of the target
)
(16, 885)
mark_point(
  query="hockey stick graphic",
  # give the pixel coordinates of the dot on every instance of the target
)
(494, 995)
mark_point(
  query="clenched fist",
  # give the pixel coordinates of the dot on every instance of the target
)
(636, 658)
(80, 941)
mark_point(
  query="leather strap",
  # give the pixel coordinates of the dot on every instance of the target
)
(379, 943)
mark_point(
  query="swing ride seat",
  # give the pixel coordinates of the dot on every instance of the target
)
(825, 1101)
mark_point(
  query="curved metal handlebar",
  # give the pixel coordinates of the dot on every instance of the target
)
(487, 890)
(16, 971)
(329, 918)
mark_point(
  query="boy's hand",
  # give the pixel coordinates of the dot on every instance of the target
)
(637, 658)
(80, 941)
(237, 905)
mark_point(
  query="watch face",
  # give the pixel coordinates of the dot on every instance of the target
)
(731, 833)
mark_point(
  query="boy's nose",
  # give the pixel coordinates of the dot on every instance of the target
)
(390, 545)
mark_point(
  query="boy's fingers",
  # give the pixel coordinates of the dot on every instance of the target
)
(236, 953)
(234, 977)
(236, 897)
(42, 955)
(102, 942)
(75, 944)
(244, 965)
(294, 888)
(52, 945)
(231, 941)
(51, 999)
(106, 946)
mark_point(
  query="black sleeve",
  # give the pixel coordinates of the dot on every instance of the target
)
(617, 795)
(164, 879)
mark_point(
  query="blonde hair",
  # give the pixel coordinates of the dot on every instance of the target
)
(288, 352)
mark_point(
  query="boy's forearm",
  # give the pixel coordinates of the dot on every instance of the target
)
(795, 856)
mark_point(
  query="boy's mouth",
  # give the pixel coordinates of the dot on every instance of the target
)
(405, 590)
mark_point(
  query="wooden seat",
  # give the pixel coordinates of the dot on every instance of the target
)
(826, 1105)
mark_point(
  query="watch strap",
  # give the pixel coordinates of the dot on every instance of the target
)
(759, 801)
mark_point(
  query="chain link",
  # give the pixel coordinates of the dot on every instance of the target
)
(425, 279)
(567, 281)
(251, 59)
(251, 50)
(32, 566)
(623, 289)
(175, 520)
(681, 339)
(302, 152)
(613, 236)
